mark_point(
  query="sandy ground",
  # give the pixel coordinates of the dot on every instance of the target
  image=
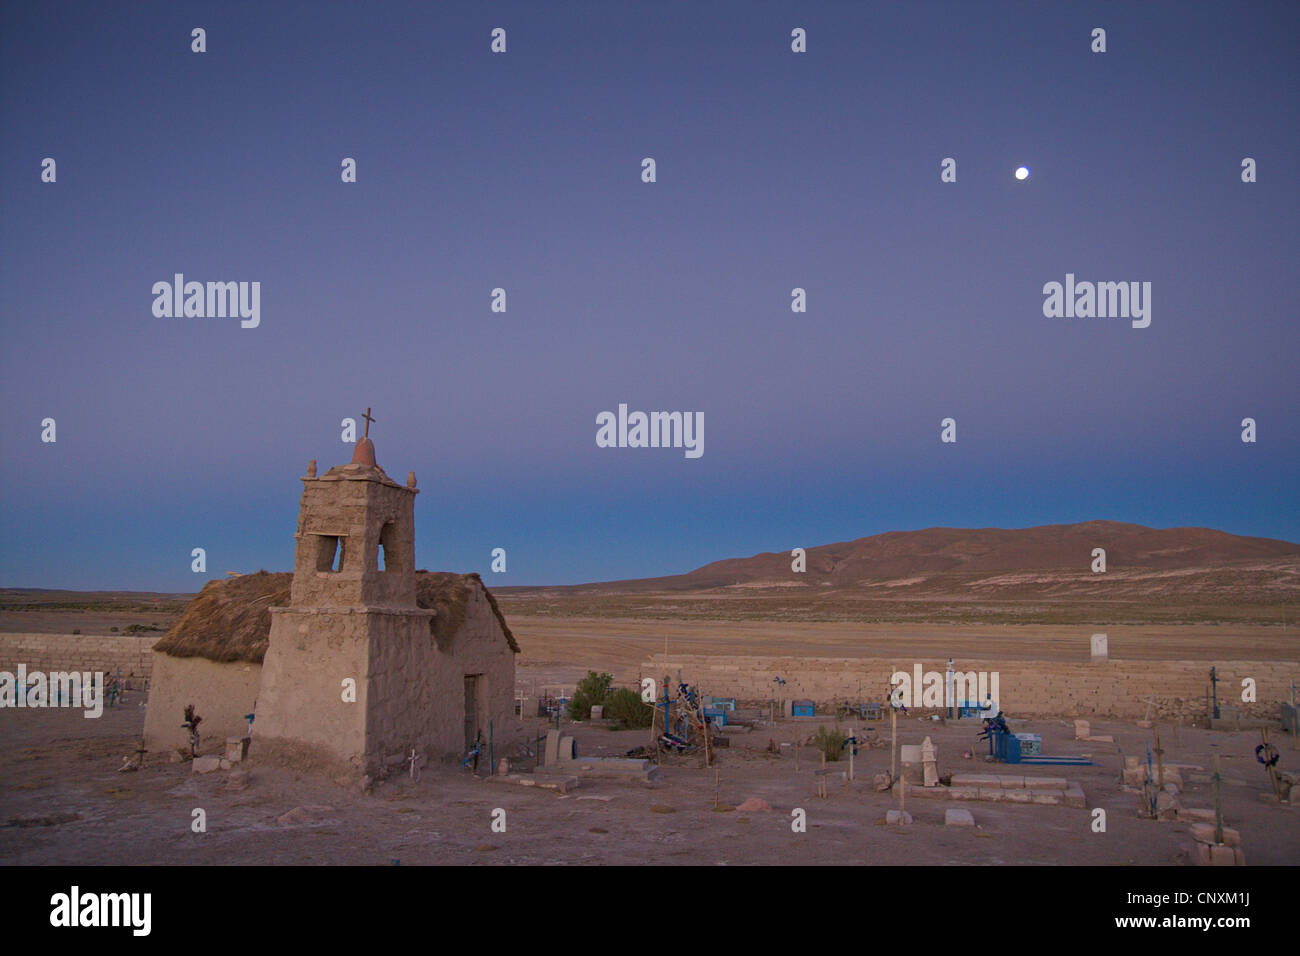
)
(63, 801)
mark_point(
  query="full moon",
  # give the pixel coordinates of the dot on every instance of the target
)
(1022, 172)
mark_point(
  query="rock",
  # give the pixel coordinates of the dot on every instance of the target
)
(881, 782)
(503, 766)
(754, 805)
(597, 711)
(898, 818)
(206, 764)
(958, 818)
(238, 780)
(1082, 730)
(176, 757)
(226, 764)
(305, 814)
(1166, 806)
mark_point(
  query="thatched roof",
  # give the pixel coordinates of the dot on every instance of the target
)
(448, 594)
(230, 619)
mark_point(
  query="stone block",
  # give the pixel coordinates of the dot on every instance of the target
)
(1052, 798)
(206, 764)
(597, 711)
(237, 749)
(898, 818)
(1204, 833)
(1074, 796)
(1009, 781)
(1046, 783)
(552, 748)
(1209, 854)
(958, 818)
(1135, 776)
(560, 784)
(974, 780)
(1082, 730)
(568, 749)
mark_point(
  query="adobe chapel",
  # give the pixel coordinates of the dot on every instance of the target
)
(350, 662)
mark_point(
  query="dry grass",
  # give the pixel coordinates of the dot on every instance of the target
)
(230, 620)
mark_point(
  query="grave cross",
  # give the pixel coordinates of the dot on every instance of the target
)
(1218, 802)
(1295, 719)
(368, 419)
(413, 758)
(1150, 702)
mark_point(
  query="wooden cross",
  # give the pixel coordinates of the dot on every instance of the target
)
(1295, 719)
(368, 419)
(1218, 802)
(1150, 702)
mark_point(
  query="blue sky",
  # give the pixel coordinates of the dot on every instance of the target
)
(522, 170)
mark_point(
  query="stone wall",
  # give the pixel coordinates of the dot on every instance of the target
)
(1114, 688)
(109, 653)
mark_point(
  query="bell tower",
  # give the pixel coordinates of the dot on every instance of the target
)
(336, 657)
(356, 537)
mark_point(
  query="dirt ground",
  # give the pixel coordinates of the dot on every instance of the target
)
(63, 801)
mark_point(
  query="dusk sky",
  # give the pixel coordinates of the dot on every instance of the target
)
(523, 170)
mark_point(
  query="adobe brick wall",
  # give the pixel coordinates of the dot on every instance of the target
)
(1115, 688)
(83, 652)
